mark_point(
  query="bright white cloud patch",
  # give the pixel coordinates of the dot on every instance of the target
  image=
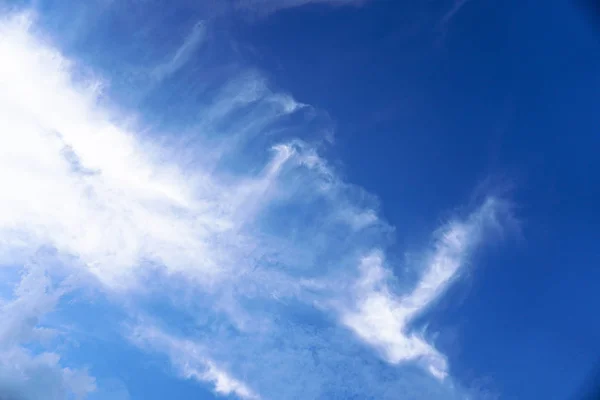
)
(380, 317)
(76, 179)
(238, 224)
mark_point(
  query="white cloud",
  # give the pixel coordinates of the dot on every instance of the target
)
(381, 318)
(189, 359)
(252, 228)
(119, 199)
(25, 375)
(190, 45)
(76, 179)
(456, 8)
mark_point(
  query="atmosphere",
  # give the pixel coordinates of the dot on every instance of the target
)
(298, 199)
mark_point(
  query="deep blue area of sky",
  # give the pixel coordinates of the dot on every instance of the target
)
(503, 96)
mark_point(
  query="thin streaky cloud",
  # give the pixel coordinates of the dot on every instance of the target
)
(270, 6)
(191, 363)
(27, 374)
(184, 53)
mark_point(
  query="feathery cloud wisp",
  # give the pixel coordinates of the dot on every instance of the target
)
(249, 225)
(381, 318)
(189, 359)
(111, 200)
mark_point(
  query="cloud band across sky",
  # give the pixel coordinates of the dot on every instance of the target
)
(248, 230)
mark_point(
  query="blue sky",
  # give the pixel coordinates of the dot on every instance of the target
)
(294, 199)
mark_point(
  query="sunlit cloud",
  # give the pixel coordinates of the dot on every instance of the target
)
(109, 199)
(239, 223)
(381, 317)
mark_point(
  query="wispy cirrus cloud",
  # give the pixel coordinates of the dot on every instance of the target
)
(240, 227)
(381, 317)
(111, 200)
(182, 55)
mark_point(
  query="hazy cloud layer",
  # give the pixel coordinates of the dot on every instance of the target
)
(26, 374)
